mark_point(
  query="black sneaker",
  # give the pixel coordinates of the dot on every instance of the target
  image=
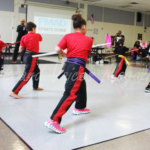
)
(147, 89)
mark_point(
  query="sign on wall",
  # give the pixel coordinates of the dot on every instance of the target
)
(53, 25)
(95, 32)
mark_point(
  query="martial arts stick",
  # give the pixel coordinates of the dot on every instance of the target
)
(94, 46)
(111, 56)
(117, 54)
(132, 50)
(54, 53)
(13, 43)
(47, 54)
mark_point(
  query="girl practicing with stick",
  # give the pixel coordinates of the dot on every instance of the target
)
(78, 47)
(122, 61)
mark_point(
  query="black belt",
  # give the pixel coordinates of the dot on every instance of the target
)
(30, 52)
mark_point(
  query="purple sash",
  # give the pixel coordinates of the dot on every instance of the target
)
(148, 70)
(80, 62)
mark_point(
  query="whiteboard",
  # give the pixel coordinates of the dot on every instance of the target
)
(48, 20)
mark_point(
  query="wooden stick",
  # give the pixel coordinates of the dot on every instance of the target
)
(117, 54)
(111, 56)
(132, 50)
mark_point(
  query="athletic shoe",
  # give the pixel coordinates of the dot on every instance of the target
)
(13, 61)
(54, 126)
(81, 111)
(147, 89)
(113, 77)
(97, 62)
(122, 76)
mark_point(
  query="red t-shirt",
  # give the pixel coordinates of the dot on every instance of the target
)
(2, 44)
(77, 44)
(31, 41)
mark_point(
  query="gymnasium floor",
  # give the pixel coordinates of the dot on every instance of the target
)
(118, 108)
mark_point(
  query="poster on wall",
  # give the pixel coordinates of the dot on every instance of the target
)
(95, 31)
(139, 36)
(48, 25)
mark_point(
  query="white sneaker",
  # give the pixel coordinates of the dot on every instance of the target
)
(97, 62)
(113, 77)
(122, 76)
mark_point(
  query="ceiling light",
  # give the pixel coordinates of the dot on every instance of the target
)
(133, 3)
(125, 6)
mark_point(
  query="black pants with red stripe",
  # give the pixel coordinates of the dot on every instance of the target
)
(121, 67)
(31, 70)
(75, 90)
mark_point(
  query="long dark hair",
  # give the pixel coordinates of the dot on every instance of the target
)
(137, 43)
(78, 21)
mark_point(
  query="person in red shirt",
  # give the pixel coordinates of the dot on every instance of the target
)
(2, 44)
(78, 47)
(31, 42)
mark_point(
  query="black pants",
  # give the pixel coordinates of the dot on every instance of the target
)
(116, 57)
(75, 90)
(143, 52)
(31, 70)
(135, 54)
(121, 67)
(15, 55)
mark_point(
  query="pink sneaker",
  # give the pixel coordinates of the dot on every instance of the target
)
(54, 126)
(81, 111)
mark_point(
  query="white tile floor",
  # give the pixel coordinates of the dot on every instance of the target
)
(117, 108)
